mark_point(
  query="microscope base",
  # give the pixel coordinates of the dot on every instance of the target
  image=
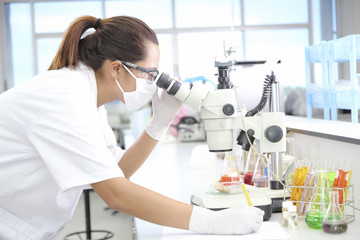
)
(264, 198)
(277, 197)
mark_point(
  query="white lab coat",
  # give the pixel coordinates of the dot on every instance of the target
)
(54, 142)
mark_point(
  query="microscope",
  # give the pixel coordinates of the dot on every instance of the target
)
(222, 118)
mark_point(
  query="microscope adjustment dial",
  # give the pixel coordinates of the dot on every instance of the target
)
(274, 133)
(228, 109)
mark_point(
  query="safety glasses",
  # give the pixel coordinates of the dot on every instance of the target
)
(149, 74)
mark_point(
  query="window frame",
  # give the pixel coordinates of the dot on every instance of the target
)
(5, 62)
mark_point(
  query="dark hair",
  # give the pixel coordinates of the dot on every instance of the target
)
(121, 37)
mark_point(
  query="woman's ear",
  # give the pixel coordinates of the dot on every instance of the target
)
(116, 69)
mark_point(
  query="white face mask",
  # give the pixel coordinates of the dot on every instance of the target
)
(141, 96)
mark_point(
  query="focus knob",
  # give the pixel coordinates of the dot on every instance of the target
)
(274, 133)
(228, 109)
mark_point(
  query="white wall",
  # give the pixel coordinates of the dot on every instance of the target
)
(348, 18)
(348, 22)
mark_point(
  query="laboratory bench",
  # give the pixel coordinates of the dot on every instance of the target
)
(169, 172)
(175, 170)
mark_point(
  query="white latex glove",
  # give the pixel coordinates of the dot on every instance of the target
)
(165, 109)
(229, 221)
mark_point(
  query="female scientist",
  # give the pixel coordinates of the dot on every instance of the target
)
(55, 140)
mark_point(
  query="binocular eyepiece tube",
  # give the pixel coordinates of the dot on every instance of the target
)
(171, 85)
(192, 97)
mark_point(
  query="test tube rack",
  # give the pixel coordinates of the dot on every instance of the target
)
(348, 204)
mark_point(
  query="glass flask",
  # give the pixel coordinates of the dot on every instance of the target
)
(230, 171)
(334, 221)
(319, 201)
(230, 178)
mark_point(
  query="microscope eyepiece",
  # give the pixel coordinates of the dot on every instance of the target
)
(164, 81)
(172, 86)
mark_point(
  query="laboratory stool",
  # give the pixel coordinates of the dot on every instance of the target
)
(89, 232)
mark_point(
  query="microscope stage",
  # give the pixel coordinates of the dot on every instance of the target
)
(262, 198)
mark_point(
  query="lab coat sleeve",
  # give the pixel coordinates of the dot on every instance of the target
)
(69, 137)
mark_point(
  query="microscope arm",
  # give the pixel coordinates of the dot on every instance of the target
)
(221, 118)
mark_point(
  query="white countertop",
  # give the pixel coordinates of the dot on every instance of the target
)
(170, 171)
(337, 130)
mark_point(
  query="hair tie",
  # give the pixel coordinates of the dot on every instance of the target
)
(97, 23)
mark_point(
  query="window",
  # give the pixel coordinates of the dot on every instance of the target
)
(46, 50)
(197, 52)
(50, 17)
(166, 59)
(207, 13)
(275, 44)
(20, 53)
(191, 32)
(156, 13)
(275, 12)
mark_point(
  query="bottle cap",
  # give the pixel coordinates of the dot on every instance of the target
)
(286, 204)
(292, 208)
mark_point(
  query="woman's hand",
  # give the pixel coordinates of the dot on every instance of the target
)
(165, 108)
(229, 221)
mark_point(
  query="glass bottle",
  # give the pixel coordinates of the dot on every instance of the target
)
(319, 201)
(292, 217)
(334, 221)
(285, 212)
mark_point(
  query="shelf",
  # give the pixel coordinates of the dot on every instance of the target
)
(327, 96)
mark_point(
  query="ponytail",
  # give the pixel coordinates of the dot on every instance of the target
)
(121, 37)
(68, 52)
